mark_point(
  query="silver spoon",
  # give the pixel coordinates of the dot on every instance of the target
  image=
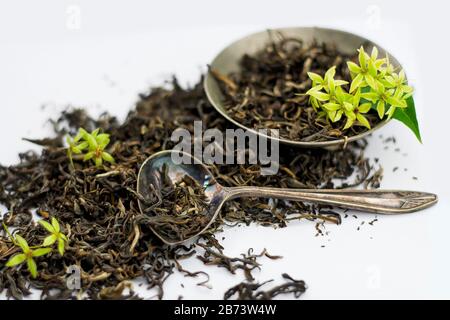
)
(378, 201)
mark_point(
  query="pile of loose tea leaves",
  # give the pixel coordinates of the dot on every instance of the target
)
(250, 290)
(177, 211)
(109, 239)
(267, 91)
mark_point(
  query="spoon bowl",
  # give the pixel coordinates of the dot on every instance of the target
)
(377, 201)
(150, 180)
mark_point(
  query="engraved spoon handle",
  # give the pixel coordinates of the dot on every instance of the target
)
(378, 201)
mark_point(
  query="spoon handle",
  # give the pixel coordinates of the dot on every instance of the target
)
(378, 201)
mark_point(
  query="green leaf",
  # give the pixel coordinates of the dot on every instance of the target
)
(353, 67)
(103, 140)
(95, 132)
(9, 233)
(379, 63)
(331, 115)
(390, 112)
(75, 150)
(49, 240)
(380, 108)
(349, 123)
(16, 259)
(331, 86)
(321, 96)
(402, 76)
(83, 145)
(356, 83)
(350, 114)
(365, 107)
(47, 226)
(362, 58)
(41, 252)
(348, 106)
(338, 115)
(407, 89)
(316, 104)
(331, 106)
(396, 102)
(315, 77)
(363, 120)
(370, 96)
(91, 141)
(32, 267)
(22, 243)
(371, 81)
(330, 73)
(55, 224)
(374, 54)
(107, 157)
(372, 69)
(340, 82)
(340, 94)
(61, 246)
(98, 162)
(88, 156)
(408, 117)
(81, 133)
(388, 82)
(356, 98)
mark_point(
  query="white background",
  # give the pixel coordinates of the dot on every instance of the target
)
(101, 54)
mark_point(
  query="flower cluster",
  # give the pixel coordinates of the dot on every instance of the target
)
(94, 143)
(375, 84)
(29, 253)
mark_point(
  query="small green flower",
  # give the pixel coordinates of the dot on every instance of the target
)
(95, 143)
(318, 95)
(388, 69)
(377, 63)
(75, 146)
(399, 83)
(55, 235)
(366, 73)
(327, 83)
(356, 111)
(375, 85)
(339, 105)
(27, 255)
(382, 98)
(402, 103)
